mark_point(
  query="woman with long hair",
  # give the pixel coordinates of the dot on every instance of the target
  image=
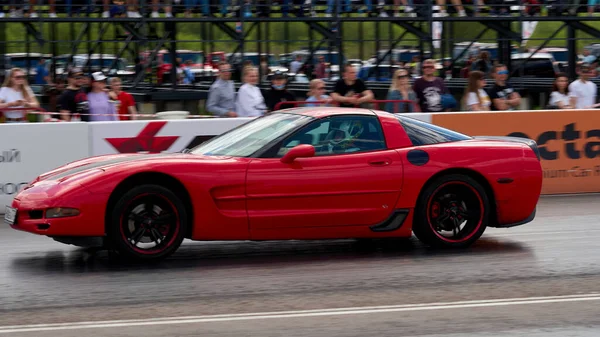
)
(16, 93)
(400, 89)
(250, 101)
(476, 98)
(316, 93)
(559, 98)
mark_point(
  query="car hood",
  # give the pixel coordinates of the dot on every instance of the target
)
(107, 161)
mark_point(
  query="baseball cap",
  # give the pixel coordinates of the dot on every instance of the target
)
(278, 75)
(98, 76)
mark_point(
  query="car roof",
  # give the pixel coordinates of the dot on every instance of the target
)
(321, 112)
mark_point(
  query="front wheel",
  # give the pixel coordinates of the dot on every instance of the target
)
(451, 212)
(147, 223)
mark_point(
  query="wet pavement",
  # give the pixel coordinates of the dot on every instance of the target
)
(42, 281)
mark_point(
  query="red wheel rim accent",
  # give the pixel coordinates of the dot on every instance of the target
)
(149, 218)
(445, 210)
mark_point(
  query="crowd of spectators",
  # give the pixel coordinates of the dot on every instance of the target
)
(84, 97)
(97, 98)
(264, 8)
(428, 93)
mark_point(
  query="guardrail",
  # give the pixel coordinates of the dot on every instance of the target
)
(568, 140)
(375, 104)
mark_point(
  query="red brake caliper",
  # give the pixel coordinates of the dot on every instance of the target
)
(435, 210)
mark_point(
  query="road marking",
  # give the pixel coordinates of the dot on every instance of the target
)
(298, 313)
(500, 233)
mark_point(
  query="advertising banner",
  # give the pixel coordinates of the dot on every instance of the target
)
(569, 142)
(30, 149)
(156, 136)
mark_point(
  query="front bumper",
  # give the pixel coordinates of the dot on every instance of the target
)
(90, 221)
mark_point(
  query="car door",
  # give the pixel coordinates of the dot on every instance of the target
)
(351, 181)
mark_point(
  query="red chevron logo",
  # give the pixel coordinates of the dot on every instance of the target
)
(145, 141)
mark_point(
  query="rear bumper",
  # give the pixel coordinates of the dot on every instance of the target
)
(519, 223)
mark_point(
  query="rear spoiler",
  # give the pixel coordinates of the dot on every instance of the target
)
(529, 142)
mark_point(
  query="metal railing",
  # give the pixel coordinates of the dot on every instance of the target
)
(44, 116)
(375, 104)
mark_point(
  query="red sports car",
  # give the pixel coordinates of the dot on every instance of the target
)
(304, 173)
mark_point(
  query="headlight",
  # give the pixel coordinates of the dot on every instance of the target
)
(61, 212)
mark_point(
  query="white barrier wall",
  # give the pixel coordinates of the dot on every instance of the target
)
(30, 149)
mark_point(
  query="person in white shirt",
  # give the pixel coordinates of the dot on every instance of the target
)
(476, 98)
(250, 101)
(559, 98)
(16, 93)
(583, 92)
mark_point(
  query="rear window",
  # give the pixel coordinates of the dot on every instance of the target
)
(533, 68)
(422, 133)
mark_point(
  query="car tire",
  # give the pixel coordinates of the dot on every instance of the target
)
(447, 201)
(149, 215)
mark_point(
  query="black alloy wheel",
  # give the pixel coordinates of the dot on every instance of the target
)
(148, 223)
(452, 212)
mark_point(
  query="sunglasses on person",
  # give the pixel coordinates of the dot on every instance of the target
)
(320, 88)
(427, 67)
(20, 77)
(402, 76)
(503, 72)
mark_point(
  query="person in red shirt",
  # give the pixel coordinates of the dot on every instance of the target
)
(124, 101)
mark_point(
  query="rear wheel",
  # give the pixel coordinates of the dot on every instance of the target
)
(147, 223)
(452, 212)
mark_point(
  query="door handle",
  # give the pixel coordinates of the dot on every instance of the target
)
(383, 162)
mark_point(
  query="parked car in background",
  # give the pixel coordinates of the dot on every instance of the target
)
(538, 65)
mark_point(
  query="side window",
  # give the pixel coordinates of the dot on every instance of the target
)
(422, 133)
(339, 135)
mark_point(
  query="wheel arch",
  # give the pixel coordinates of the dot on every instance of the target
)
(155, 178)
(480, 178)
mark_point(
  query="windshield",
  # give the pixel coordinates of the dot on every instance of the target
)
(196, 58)
(96, 63)
(24, 62)
(246, 139)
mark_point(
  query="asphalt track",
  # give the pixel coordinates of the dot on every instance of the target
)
(540, 279)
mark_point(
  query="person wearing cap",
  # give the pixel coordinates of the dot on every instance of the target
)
(503, 95)
(278, 93)
(101, 107)
(583, 92)
(74, 98)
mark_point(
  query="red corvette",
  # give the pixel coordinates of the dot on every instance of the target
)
(305, 173)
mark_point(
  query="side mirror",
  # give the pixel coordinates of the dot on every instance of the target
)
(300, 151)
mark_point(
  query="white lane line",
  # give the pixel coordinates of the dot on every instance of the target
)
(498, 233)
(569, 195)
(298, 313)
